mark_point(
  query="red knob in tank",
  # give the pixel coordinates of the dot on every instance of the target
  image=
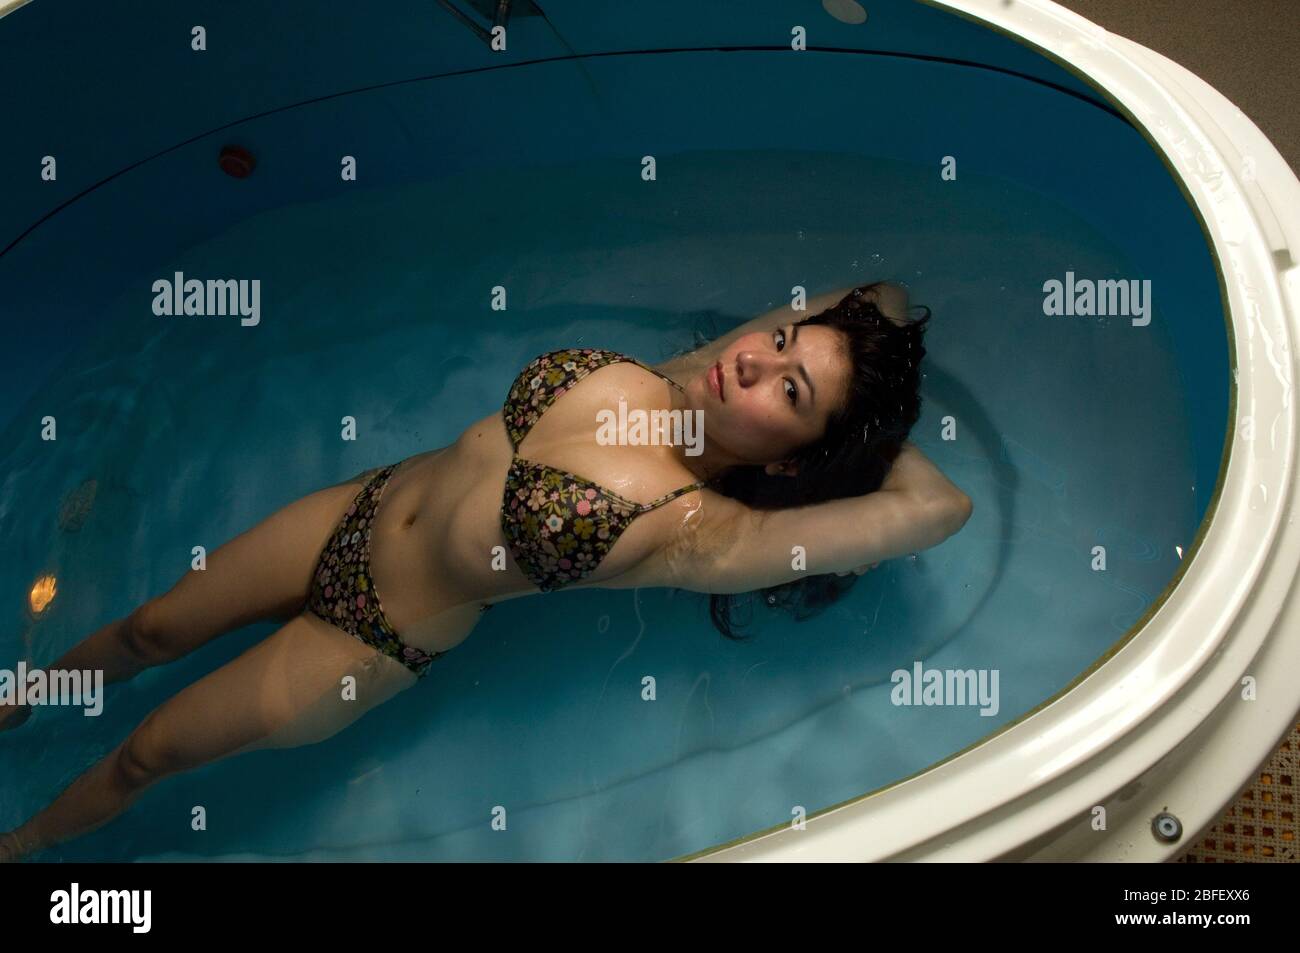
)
(236, 161)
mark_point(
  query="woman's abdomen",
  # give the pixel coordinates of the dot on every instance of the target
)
(433, 540)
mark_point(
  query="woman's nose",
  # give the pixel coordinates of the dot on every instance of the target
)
(749, 367)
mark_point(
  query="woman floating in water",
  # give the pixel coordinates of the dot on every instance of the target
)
(804, 445)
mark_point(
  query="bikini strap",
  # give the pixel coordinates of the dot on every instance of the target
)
(653, 371)
(668, 497)
(647, 507)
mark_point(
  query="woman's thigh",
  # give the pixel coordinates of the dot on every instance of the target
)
(301, 685)
(263, 573)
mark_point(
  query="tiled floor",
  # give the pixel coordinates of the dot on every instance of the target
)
(1261, 824)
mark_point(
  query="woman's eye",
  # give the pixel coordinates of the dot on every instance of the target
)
(790, 390)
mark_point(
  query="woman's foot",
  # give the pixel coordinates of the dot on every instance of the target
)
(11, 850)
(11, 716)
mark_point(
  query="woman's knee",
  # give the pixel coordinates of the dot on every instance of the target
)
(144, 634)
(167, 743)
(143, 758)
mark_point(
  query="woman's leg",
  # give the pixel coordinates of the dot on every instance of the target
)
(283, 692)
(264, 573)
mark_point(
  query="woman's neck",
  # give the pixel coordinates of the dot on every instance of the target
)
(684, 367)
(713, 460)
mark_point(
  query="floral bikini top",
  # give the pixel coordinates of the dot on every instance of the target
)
(560, 525)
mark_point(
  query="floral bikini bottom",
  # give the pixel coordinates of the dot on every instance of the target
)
(343, 591)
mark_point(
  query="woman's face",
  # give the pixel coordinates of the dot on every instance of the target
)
(772, 392)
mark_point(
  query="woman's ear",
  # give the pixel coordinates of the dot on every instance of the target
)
(784, 468)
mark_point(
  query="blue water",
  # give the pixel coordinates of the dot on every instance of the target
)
(1071, 433)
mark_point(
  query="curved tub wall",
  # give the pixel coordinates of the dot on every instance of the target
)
(435, 129)
(112, 125)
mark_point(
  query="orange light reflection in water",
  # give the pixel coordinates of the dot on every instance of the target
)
(42, 594)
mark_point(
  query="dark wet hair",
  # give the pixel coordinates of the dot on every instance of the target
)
(862, 440)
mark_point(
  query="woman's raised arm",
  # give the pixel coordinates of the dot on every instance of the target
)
(917, 507)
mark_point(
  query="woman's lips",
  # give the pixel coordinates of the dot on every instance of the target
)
(715, 380)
